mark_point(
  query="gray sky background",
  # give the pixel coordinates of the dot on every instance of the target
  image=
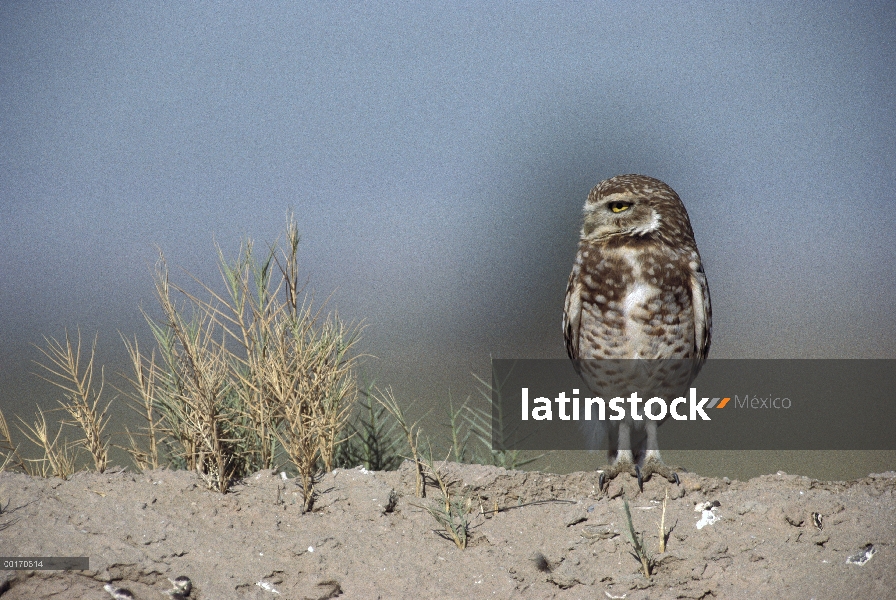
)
(437, 159)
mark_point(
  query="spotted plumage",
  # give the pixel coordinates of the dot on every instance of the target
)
(637, 291)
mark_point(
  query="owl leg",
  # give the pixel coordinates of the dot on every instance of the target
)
(652, 461)
(624, 461)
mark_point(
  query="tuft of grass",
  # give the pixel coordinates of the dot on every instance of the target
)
(637, 542)
(451, 511)
(82, 404)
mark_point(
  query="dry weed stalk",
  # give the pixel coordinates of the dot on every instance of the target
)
(412, 435)
(59, 459)
(144, 382)
(664, 535)
(83, 402)
(8, 449)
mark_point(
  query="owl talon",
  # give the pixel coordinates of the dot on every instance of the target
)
(653, 465)
(622, 464)
(640, 479)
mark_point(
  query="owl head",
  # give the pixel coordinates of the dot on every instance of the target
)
(634, 206)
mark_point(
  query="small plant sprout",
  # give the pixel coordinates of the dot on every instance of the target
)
(637, 542)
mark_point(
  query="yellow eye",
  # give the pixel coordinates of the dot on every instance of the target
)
(618, 207)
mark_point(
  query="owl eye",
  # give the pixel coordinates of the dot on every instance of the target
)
(618, 207)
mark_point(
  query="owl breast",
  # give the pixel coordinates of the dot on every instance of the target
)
(634, 302)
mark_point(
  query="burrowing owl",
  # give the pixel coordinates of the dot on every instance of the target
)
(637, 290)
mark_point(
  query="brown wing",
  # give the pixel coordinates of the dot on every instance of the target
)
(702, 313)
(572, 313)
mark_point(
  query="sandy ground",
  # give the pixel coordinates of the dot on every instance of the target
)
(555, 536)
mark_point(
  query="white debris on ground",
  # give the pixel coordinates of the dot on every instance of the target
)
(863, 556)
(267, 587)
(708, 516)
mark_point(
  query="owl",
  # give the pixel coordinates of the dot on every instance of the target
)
(637, 291)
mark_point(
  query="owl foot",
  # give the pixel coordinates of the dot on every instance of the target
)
(653, 464)
(622, 464)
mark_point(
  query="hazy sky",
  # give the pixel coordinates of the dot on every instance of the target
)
(437, 159)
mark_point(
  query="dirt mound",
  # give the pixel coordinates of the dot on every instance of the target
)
(554, 536)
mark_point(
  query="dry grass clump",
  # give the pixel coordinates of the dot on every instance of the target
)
(82, 403)
(247, 375)
(310, 387)
(239, 380)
